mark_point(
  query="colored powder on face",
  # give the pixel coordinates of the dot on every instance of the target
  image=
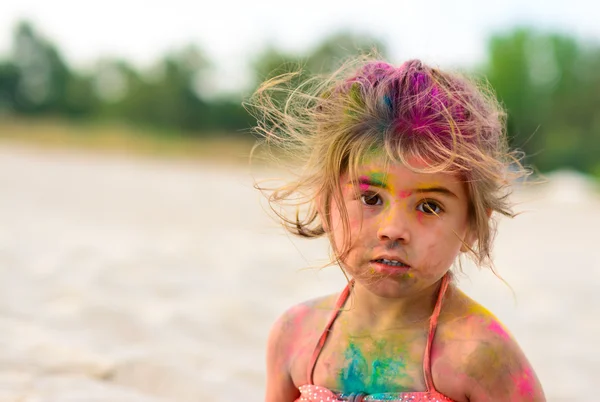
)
(419, 216)
(376, 179)
(362, 185)
(404, 194)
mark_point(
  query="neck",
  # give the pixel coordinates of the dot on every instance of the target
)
(375, 313)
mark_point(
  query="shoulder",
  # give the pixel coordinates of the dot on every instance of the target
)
(489, 362)
(300, 319)
(291, 337)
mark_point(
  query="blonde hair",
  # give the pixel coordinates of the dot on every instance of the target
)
(412, 112)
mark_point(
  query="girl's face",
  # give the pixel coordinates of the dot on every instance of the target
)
(406, 228)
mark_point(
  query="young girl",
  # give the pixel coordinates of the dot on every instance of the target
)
(402, 168)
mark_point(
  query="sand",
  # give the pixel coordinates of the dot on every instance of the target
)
(127, 279)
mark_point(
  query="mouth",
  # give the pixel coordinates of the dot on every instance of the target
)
(389, 266)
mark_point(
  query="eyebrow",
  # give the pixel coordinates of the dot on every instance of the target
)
(441, 190)
(369, 181)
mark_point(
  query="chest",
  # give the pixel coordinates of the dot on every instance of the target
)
(373, 363)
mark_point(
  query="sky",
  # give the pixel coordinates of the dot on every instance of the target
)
(441, 32)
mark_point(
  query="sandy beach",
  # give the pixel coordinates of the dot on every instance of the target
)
(129, 279)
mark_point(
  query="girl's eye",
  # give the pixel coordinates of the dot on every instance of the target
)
(430, 208)
(371, 199)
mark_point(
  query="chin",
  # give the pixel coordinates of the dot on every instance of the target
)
(390, 286)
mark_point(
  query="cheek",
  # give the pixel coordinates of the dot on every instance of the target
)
(419, 216)
(337, 225)
(443, 246)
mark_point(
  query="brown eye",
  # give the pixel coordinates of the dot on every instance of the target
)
(371, 199)
(429, 207)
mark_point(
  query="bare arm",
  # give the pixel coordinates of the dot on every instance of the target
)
(280, 387)
(481, 361)
(497, 369)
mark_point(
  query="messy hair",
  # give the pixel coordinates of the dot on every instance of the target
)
(330, 125)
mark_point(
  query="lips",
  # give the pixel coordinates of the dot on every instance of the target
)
(389, 265)
(395, 260)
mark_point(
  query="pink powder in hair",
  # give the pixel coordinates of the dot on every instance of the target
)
(417, 106)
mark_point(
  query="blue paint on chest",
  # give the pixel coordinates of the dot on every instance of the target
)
(360, 376)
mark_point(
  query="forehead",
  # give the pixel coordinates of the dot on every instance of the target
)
(397, 177)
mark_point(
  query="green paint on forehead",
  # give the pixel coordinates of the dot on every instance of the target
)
(377, 156)
(377, 178)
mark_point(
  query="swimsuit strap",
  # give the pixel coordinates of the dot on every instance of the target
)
(432, 326)
(338, 305)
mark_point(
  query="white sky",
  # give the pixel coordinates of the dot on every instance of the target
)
(444, 32)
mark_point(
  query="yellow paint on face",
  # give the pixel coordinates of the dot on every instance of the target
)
(402, 197)
(419, 217)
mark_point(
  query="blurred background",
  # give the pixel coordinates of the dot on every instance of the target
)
(137, 263)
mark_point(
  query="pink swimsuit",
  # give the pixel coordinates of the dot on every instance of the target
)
(316, 393)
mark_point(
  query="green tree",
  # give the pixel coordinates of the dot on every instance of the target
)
(9, 83)
(164, 96)
(549, 84)
(43, 76)
(324, 58)
(338, 47)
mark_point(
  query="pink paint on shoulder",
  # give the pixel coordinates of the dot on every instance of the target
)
(525, 383)
(298, 315)
(497, 328)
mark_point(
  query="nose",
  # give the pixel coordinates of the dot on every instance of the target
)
(394, 226)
